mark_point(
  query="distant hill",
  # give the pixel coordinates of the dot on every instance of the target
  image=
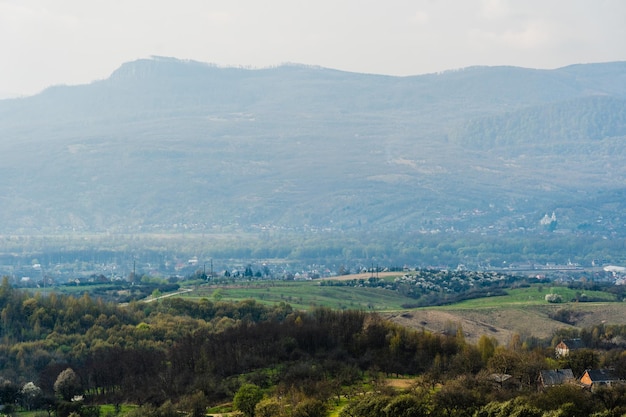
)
(166, 145)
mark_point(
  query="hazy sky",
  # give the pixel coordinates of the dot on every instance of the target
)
(49, 42)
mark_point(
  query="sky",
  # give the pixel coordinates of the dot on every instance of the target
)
(52, 42)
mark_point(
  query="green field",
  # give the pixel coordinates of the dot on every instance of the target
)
(306, 295)
(531, 296)
(310, 294)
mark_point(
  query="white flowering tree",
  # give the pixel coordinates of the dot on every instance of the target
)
(67, 385)
(30, 394)
(553, 298)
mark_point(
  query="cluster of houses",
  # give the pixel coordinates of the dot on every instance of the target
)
(591, 378)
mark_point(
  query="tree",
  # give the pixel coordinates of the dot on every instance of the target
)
(195, 404)
(612, 397)
(371, 405)
(269, 407)
(487, 347)
(406, 405)
(30, 394)
(248, 271)
(456, 398)
(567, 397)
(310, 408)
(553, 298)
(9, 392)
(581, 359)
(503, 361)
(67, 384)
(246, 399)
(518, 407)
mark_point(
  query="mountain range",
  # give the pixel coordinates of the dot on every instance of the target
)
(165, 145)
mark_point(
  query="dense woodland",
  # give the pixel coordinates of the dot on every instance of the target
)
(176, 355)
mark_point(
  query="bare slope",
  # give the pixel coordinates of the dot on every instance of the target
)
(505, 322)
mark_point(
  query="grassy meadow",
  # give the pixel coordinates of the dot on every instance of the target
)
(305, 295)
(311, 294)
(532, 296)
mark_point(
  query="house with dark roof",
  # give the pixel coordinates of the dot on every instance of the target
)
(551, 378)
(566, 346)
(593, 378)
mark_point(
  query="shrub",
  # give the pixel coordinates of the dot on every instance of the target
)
(554, 298)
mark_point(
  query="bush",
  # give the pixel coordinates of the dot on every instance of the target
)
(268, 407)
(554, 298)
(564, 316)
(310, 408)
(246, 399)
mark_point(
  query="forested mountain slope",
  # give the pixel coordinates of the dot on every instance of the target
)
(165, 145)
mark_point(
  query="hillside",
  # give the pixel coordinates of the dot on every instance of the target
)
(503, 323)
(165, 146)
